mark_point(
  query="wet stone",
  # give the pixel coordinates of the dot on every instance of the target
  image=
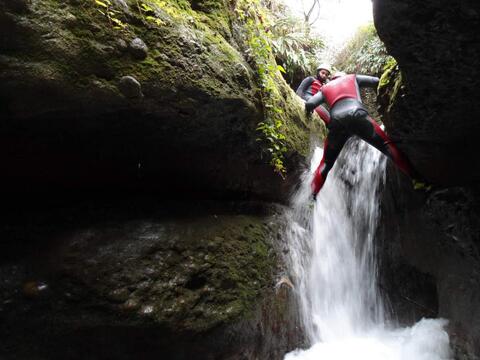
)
(130, 87)
(138, 49)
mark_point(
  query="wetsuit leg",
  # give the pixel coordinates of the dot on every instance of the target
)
(323, 113)
(336, 139)
(368, 130)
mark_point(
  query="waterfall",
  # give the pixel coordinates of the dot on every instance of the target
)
(332, 265)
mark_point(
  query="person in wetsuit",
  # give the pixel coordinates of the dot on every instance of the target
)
(311, 85)
(349, 117)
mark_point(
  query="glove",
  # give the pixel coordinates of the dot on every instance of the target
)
(309, 108)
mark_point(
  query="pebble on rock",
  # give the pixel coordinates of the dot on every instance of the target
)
(138, 49)
(130, 87)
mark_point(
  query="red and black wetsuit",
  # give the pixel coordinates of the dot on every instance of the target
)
(349, 117)
(308, 88)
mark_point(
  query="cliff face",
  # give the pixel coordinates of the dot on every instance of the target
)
(430, 242)
(429, 255)
(168, 280)
(128, 141)
(143, 95)
(436, 46)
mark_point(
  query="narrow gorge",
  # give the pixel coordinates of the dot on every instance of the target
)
(150, 150)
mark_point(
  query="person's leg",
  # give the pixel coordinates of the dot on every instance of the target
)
(336, 139)
(365, 127)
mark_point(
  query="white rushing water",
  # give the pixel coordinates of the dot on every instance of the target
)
(333, 268)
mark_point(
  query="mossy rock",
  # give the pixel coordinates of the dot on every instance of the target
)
(197, 102)
(177, 283)
(188, 275)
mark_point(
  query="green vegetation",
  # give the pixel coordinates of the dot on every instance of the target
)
(147, 10)
(236, 49)
(256, 21)
(365, 53)
(294, 47)
(271, 38)
(105, 8)
(391, 83)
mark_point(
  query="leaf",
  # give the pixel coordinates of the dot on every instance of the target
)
(146, 7)
(101, 3)
(281, 69)
(119, 23)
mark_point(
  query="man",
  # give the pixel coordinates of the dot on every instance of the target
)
(311, 85)
(349, 117)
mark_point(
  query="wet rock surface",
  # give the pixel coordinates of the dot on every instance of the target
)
(163, 280)
(118, 131)
(430, 245)
(138, 49)
(130, 87)
(72, 120)
(436, 46)
(429, 256)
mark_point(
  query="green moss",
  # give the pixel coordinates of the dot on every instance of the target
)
(390, 84)
(189, 50)
(190, 274)
(387, 70)
(396, 88)
(214, 274)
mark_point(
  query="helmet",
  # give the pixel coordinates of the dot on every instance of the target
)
(324, 67)
(338, 74)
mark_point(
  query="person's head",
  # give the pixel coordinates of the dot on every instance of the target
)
(323, 72)
(338, 74)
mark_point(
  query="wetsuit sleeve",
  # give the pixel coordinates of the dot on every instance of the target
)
(302, 88)
(314, 101)
(367, 81)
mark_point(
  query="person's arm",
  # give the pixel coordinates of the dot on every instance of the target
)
(367, 81)
(305, 84)
(323, 113)
(314, 101)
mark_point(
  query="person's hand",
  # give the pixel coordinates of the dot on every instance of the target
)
(309, 108)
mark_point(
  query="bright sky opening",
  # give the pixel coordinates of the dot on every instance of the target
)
(338, 21)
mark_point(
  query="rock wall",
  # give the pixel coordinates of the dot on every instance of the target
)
(430, 242)
(430, 259)
(152, 95)
(436, 46)
(170, 280)
(121, 123)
